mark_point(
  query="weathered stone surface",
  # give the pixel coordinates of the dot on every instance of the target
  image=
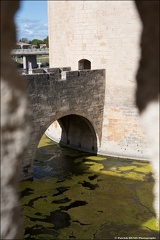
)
(148, 73)
(14, 126)
(147, 94)
(51, 98)
(106, 33)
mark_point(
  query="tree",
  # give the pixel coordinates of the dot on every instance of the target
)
(46, 41)
(24, 40)
(36, 42)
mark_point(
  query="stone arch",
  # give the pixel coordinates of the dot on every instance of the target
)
(84, 64)
(89, 141)
(76, 132)
(72, 126)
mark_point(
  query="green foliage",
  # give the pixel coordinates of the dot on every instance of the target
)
(46, 41)
(36, 42)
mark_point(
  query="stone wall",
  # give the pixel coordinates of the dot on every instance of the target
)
(97, 31)
(82, 93)
(14, 126)
(52, 98)
(106, 33)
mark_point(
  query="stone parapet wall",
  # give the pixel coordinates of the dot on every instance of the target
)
(51, 98)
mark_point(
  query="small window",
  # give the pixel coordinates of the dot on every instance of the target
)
(84, 64)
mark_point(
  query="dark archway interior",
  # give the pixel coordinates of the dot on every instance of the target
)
(84, 64)
(78, 133)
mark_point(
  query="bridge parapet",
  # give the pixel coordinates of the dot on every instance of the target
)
(58, 73)
(50, 70)
(81, 94)
(30, 51)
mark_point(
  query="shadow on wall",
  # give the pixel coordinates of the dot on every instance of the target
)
(77, 133)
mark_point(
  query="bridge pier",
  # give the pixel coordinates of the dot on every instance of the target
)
(32, 59)
(24, 63)
(29, 58)
(29, 55)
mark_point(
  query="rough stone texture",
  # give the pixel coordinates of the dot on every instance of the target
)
(148, 73)
(14, 126)
(100, 32)
(147, 94)
(51, 98)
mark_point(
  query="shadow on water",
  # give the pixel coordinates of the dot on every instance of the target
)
(77, 195)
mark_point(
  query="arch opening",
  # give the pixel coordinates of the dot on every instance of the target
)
(75, 132)
(84, 64)
(78, 132)
(71, 131)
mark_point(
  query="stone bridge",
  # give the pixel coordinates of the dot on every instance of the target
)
(75, 99)
(30, 51)
(29, 55)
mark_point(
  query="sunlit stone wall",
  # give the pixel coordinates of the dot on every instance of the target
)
(107, 33)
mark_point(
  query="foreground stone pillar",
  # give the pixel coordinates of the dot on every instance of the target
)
(14, 126)
(147, 94)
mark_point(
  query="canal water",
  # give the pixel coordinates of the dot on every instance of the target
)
(76, 195)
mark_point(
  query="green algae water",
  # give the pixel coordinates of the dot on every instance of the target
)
(76, 195)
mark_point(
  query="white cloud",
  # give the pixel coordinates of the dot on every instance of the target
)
(31, 29)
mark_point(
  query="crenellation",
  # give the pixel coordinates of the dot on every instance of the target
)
(82, 94)
(72, 74)
(38, 70)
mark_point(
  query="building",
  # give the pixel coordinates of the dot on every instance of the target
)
(43, 45)
(103, 35)
(21, 45)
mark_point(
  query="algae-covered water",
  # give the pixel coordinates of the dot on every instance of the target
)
(76, 195)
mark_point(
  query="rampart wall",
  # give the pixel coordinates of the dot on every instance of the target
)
(77, 102)
(121, 133)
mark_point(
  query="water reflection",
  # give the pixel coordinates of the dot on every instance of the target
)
(77, 195)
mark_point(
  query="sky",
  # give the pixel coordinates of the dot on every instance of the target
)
(32, 20)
